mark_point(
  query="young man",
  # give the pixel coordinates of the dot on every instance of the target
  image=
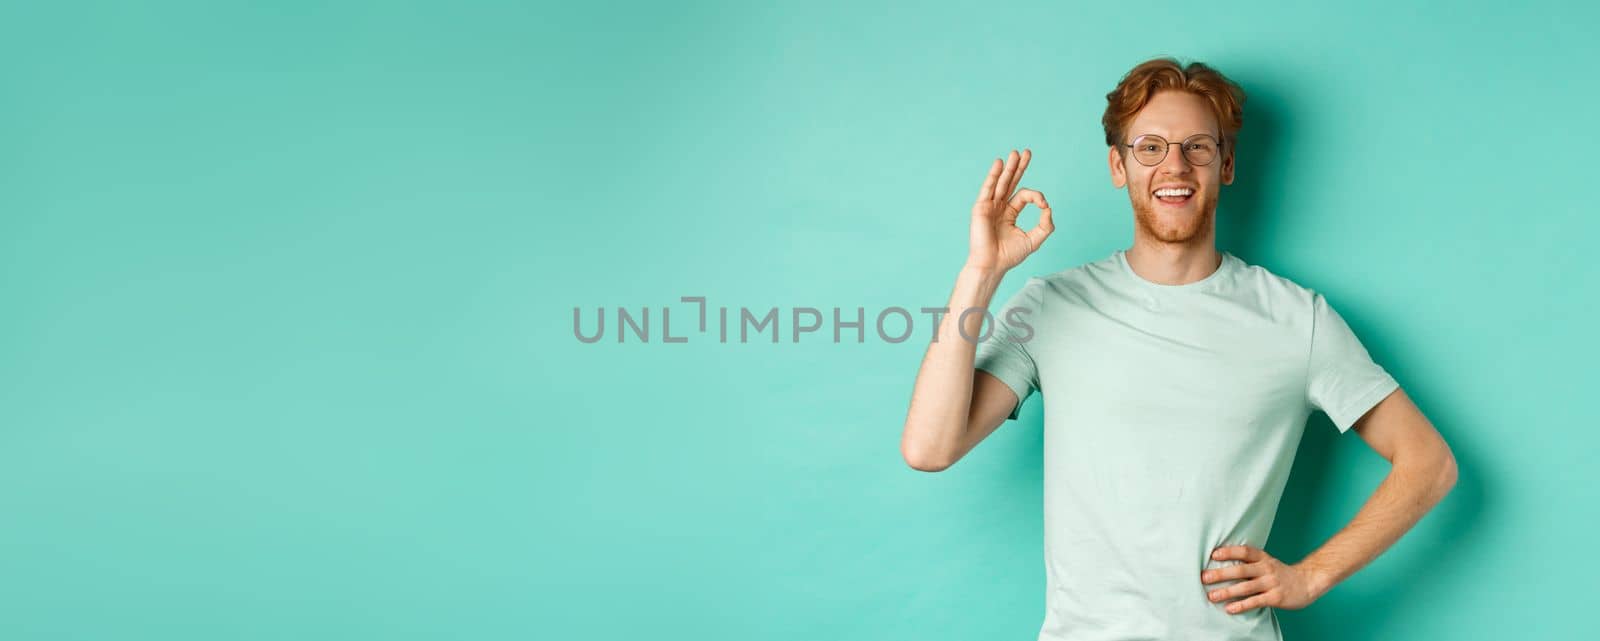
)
(1179, 380)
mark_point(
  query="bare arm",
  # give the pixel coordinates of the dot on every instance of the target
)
(1423, 470)
(954, 406)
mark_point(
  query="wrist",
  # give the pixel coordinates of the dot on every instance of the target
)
(983, 272)
(1319, 579)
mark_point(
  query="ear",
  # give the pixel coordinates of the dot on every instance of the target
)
(1227, 167)
(1119, 177)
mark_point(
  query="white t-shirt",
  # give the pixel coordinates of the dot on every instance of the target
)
(1171, 420)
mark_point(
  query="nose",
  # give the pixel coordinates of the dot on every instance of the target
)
(1175, 162)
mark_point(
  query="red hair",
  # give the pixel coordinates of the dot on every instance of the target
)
(1152, 76)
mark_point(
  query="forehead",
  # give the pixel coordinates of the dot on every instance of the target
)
(1174, 115)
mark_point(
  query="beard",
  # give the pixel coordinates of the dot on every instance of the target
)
(1173, 227)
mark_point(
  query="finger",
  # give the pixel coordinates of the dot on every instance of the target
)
(1005, 177)
(1020, 200)
(1027, 196)
(1022, 165)
(1258, 601)
(986, 192)
(1247, 588)
(1241, 552)
(1241, 571)
(1041, 230)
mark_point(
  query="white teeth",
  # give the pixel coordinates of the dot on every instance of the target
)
(1184, 191)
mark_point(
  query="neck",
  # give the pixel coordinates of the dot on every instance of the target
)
(1173, 263)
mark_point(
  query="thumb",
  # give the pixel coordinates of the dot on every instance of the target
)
(1042, 229)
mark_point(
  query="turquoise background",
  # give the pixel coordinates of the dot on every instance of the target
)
(286, 349)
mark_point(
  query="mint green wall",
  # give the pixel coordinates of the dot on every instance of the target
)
(286, 349)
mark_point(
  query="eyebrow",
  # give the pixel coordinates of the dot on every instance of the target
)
(1151, 133)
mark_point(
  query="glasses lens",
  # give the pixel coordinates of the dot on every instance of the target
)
(1200, 150)
(1149, 149)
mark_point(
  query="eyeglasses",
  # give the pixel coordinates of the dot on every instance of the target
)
(1199, 149)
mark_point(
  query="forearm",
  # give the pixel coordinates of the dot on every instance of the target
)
(941, 398)
(1410, 490)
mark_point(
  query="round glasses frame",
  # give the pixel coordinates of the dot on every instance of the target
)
(1167, 147)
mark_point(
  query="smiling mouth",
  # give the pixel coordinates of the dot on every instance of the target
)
(1174, 195)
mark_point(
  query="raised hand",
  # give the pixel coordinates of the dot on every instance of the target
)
(997, 243)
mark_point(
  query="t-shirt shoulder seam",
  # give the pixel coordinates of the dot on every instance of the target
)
(1275, 277)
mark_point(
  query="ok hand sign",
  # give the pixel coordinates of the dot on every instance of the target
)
(997, 243)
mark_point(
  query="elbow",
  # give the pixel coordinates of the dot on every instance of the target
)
(927, 465)
(926, 462)
(1440, 469)
(922, 458)
(1447, 473)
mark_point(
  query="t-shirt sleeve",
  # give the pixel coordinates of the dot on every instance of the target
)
(1342, 380)
(1004, 353)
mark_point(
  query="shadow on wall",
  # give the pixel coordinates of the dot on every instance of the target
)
(1364, 605)
(1257, 169)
